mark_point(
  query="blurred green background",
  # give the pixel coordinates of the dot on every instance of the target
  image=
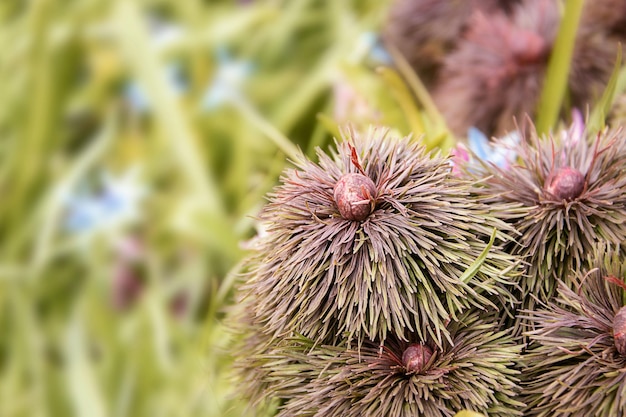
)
(137, 142)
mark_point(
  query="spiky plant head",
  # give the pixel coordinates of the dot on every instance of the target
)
(495, 75)
(398, 266)
(267, 371)
(575, 366)
(606, 16)
(474, 372)
(571, 193)
(425, 31)
(595, 53)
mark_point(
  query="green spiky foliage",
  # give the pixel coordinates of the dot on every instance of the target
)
(570, 194)
(474, 372)
(574, 368)
(399, 270)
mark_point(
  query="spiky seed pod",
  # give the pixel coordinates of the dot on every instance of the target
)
(495, 75)
(473, 372)
(606, 16)
(416, 356)
(561, 221)
(574, 364)
(355, 196)
(565, 183)
(329, 277)
(424, 31)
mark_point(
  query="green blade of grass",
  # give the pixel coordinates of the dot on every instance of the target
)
(52, 207)
(435, 127)
(253, 116)
(597, 120)
(555, 82)
(329, 124)
(81, 379)
(179, 134)
(475, 266)
(404, 68)
(404, 99)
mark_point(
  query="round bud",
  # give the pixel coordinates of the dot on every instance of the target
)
(529, 48)
(415, 357)
(355, 195)
(619, 331)
(566, 184)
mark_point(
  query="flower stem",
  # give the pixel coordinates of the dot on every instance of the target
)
(268, 129)
(555, 83)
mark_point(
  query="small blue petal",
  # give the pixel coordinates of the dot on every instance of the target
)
(380, 55)
(499, 153)
(214, 97)
(117, 202)
(137, 97)
(176, 78)
(228, 79)
(377, 51)
(478, 143)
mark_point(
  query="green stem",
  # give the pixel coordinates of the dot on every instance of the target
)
(555, 83)
(475, 266)
(420, 91)
(252, 115)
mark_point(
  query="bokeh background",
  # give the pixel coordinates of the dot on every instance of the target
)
(137, 142)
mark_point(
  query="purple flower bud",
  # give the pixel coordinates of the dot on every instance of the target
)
(565, 184)
(355, 196)
(127, 287)
(415, 357)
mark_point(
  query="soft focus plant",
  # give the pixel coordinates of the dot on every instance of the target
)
(98, 326)
(137, 142)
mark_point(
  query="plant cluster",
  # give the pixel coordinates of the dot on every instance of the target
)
(376, 289)
(485, 61)
(392, 281)
(386, 283)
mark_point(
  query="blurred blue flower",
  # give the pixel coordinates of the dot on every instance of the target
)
(163, 34)
(500, 153)
(377, 54)
(136, 95)
(227, 82)
(115, 204)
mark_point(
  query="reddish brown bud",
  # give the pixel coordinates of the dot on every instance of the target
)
(416, 356)
(355, 195)
(619, 331)
(528, 47)
(566, 184)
